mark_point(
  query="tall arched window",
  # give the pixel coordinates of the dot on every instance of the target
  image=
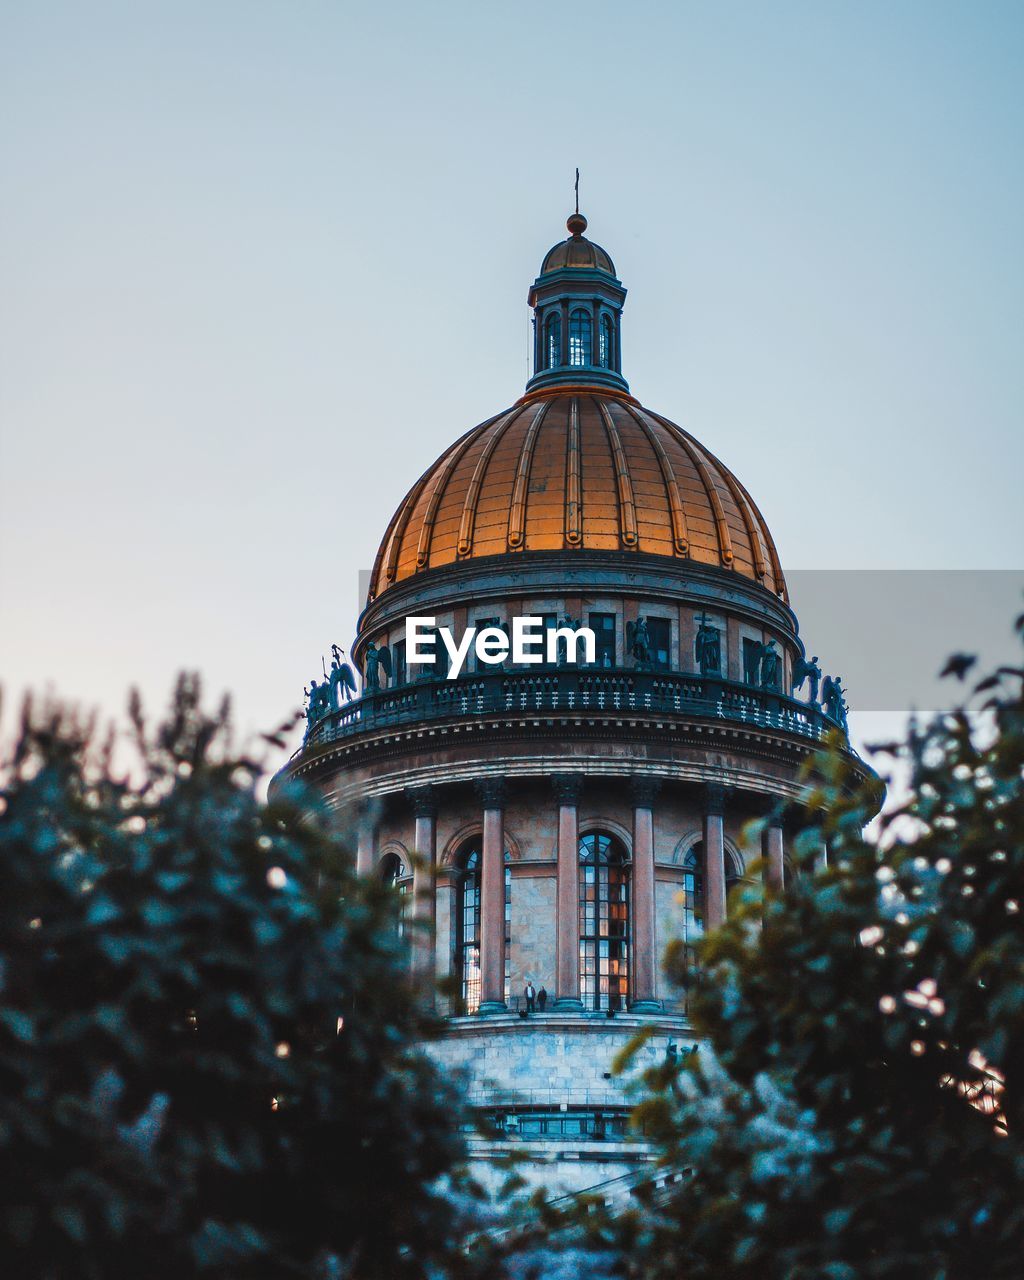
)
(604, 922)
(467, 926)
(693, 889)
(395, 874)
(579, 337)
(604, 343)
(552, 340)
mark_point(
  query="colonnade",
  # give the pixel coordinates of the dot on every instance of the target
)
(644, 949)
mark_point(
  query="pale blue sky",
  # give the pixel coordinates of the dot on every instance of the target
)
(260, 263)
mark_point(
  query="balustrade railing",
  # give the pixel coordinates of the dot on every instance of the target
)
(573, 690)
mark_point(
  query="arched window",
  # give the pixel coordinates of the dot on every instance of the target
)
(579, 337)
(552, 340)
(693, 889)
(396, 875)
(467, 926)
(604, 922)
(604, 343)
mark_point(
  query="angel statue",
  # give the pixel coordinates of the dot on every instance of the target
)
(376, 659)
(807, 670)
(342, 679)
(638, 641)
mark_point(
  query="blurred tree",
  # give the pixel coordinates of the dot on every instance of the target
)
(855, 1107)
(207, 1029)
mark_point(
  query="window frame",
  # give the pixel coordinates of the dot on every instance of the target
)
(605, 881)
(581, 338)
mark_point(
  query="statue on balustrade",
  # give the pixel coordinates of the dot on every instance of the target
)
(835, 701)
(377, 659)
(708, 647)
(342, 680)
(573, 624)
(638, 641)
(770, 666)
(804, 670)
(318, 702)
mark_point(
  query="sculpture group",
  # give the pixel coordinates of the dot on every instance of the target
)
(339, 684)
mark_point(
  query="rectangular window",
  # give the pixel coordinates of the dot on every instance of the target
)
(751, 661)
(437, 667)
(603, 627)
(660, 632)
(398, 661)
(477, 665)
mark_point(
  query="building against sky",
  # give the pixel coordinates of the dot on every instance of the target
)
(558, 824)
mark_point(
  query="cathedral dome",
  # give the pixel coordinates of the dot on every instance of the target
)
(576, 469)
(577, 251)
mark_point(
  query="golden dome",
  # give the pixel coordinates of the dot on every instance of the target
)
(578, 469)
(577, 251)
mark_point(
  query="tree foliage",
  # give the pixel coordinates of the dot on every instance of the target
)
(206, 1025)
(855, 1107)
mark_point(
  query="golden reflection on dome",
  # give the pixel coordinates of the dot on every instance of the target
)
(578, 468)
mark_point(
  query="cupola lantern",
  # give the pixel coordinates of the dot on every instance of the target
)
(577, 313)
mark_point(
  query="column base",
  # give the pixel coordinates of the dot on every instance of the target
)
(492, 1006)
(568, 1004)
(647, 1006)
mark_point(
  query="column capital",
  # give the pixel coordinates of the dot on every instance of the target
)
(644, 790)
(490, 792)
(714, 799)
(772, 808)
(423, 800)
(568, 787)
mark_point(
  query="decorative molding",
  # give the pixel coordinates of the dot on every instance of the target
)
(475, 831)
(735, 864)
(394, 848)
(714, 799)
(589, 825)
(745, 782)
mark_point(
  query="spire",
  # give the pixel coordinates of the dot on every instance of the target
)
(577, 313)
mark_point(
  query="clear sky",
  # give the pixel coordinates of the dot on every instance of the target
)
(260, 263)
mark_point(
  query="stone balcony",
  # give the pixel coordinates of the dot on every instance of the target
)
(570, 691)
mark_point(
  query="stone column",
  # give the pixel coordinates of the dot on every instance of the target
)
(714, 857)
(644, 958)
(567, 911)
(492, 897)
(364, 845)
(774, 867)
(422, 913)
